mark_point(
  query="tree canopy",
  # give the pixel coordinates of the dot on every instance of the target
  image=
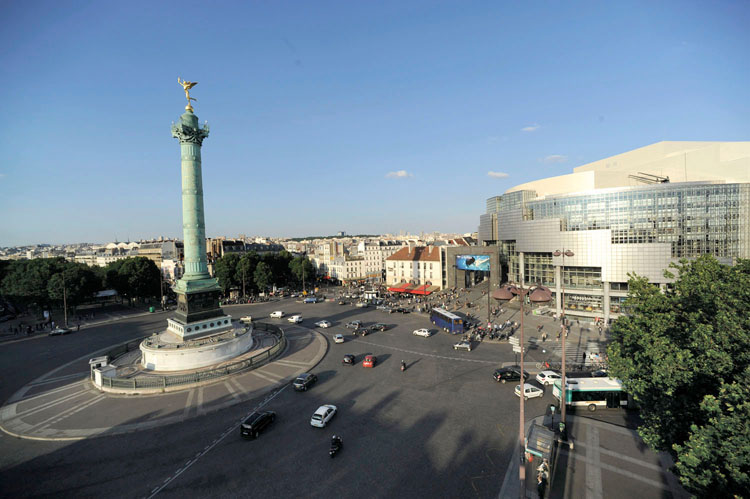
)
(683, 355)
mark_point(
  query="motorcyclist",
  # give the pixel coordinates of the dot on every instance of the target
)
(403, 365)
(336, 441)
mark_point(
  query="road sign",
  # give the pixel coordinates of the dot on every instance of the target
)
(513, 341)
(517, 349)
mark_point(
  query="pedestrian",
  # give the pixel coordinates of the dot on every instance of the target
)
(541, 485)
(78, 327)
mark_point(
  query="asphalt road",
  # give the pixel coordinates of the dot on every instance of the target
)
(442, 428)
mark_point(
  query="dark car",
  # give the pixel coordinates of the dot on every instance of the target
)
(402, 310)
(342, 302)
(378, 327)
(255, 423)
(510, 373)
(349, 359)
(59, 331)
(363, 331)
(303, 381)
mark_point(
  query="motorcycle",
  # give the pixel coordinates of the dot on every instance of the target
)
(336, 444)
(403, 366)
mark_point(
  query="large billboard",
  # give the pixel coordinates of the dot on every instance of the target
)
(473, 262)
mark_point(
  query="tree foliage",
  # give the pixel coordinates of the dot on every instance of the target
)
(684, 355)
(279, 269)
(262, 276)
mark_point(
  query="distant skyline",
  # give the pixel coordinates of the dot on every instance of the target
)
(355, 116)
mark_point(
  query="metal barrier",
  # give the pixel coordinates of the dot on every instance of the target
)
(164, 381)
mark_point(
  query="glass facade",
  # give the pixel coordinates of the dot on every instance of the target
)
(582, 277)
(694, 218)
(538, 269)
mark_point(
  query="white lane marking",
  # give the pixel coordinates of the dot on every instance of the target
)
(232, 390)
(50, 392)
(291, 363)
(52, 403)
(81, 374)
(209, 447)
(621, 471)
(260, 375)
(43, 425)
(622, 457)
(593, 464)
(188, 403)
(200, 400)
(238, 385)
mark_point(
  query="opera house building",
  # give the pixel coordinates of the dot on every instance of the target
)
(635, 212)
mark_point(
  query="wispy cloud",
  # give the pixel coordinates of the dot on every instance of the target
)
(531, 128)
(497, 174)
(555, 158)
(399, 174)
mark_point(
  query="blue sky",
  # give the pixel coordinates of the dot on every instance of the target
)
(313, 104)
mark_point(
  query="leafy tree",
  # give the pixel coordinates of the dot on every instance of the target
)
(684, 355)
(77, 283)
(263, 276)
(225, 270)
(302, 266)
(246, 269)
(136, 277)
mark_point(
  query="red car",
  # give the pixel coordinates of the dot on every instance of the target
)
(370, 361)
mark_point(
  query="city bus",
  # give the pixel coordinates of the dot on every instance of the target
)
(447, 321)
(592, 393)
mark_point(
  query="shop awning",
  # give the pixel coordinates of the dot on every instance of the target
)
(399, 288)
(421, 290)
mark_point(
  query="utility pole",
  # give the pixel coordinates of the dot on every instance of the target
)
(243, 282)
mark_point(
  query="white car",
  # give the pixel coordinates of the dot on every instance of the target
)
(277, 315)
(548, 377)
(296, 319)
(339, 338)
(462, 345)
(530, 391)
(422, 332)
(323, 324)
(247, 319)
(323, 415)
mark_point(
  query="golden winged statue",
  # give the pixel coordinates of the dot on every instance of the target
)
(186, 86)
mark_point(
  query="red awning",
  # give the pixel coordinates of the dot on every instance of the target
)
(420, 290)
(400, 288)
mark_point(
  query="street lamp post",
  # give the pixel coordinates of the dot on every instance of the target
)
(564, 330)
(522, 426)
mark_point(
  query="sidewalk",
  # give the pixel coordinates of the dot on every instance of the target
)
(601, 459)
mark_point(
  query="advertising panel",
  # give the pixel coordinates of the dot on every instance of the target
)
(473, 262)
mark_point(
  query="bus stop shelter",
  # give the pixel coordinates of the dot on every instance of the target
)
(539, 446)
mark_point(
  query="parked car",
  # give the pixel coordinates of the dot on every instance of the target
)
(529, 391)
(277, 314)
(339, 338)
(362, 331)
(599, 373)
(370, 361)
(323, 324)
(463, 345)
(509, 373)
(402, 310)
(363, 304)
(354, 324)
(59, 331)
(296, 319)
(379, 327)
(349, 359)
(255, 423)
(342, 302)
(323, 415)
(548, 377)
(304, 381)
(247, 319)
(424, 333)
(310, 299)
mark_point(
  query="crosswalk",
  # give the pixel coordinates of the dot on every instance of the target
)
(575, 353)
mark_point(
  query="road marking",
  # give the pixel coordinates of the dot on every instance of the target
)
(50, 392)
(188, 403)
(257, 373)
(615, 469)
(82, 374)
(232, 390)
(593, 464)
(622, 457)
(199, 409)
(238, 385)
(47, 405)
(291, 363)
(232, 428)
(43, 425)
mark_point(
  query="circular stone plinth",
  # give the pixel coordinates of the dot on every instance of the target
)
(166, 352)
